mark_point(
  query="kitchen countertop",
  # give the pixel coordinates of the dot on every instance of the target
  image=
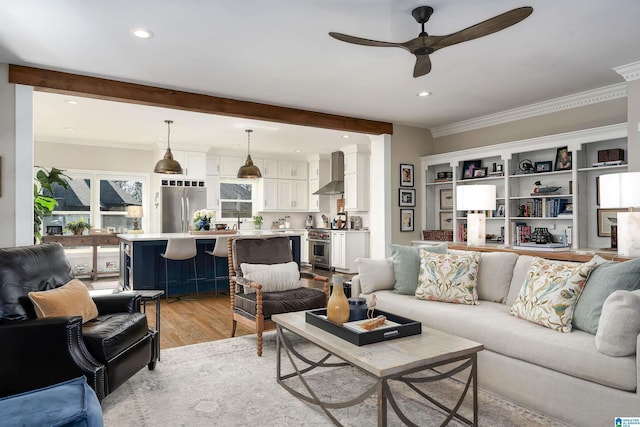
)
(166, 236)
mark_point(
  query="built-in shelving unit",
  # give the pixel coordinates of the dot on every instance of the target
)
(573, 208)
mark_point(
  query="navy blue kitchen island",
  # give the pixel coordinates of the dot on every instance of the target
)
(143, 268)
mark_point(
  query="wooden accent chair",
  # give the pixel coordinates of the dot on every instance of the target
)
(256, 309)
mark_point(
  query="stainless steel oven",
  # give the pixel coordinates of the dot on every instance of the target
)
(320, 248)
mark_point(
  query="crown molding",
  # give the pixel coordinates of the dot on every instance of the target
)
(630, 71)
(581, 99)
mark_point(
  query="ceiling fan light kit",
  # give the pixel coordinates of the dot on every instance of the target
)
(167, 165)
(424, 45)
(249, 170)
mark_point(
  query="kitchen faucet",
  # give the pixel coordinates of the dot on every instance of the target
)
(238, 211)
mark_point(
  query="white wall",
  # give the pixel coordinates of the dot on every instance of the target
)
(7, 159)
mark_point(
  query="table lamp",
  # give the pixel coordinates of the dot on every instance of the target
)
(475, 199)
(621, 191)
(135, 212)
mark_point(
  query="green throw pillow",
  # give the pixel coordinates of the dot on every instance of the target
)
(406, 265)
(603, 281)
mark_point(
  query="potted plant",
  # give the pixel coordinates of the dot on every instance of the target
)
(43, 201)
(77, 227)
(257, 221)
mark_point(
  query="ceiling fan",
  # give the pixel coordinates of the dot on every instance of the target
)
(424, 45)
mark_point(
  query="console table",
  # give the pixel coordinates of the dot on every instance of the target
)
(93, 240)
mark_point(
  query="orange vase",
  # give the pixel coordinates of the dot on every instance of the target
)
(338, 305)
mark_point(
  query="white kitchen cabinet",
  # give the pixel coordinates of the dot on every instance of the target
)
(229, 165)
(269, 199)
(356, 179)
(319, 176)
(194, 164)
(304, 248)
(346, 246)
(317, 203)
(269, 168)
(293, 170)
(213, 164)
(293, 195)
(213, 193)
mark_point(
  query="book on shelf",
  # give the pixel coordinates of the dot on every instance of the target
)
(609, 163)
(544, 247)
(442, 180)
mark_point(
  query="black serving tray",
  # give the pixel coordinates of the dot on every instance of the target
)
(407, 328)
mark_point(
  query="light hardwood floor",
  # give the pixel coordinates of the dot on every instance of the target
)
(208, 318)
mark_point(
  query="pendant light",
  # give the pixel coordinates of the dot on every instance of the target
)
(167, 165)
(249, 170)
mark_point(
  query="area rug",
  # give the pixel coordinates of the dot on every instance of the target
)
(224, 383)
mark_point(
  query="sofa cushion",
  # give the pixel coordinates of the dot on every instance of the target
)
(108, 335)
(518, 277)
(375, 274)
(550, 292)
(448, 277)
(619, 324)
(72, 299)
(495, 271)
(272, 277)
(406, 263)
(605, 279)
(574, 354)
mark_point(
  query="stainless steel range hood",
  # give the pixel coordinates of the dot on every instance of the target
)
(336, 185)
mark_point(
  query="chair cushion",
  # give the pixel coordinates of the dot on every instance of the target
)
(72, 299)
(282, 302)
(109, 334)
(272, 277)
(260, 250)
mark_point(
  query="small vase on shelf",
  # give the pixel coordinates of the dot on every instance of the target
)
(338, 305)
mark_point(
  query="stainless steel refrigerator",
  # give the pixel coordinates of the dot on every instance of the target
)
(178, 206)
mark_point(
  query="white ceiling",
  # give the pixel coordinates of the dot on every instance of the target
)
(279, 52)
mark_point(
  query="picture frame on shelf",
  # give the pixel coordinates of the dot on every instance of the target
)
(563, 159)
(406, 175)
(469, 167)
(597, 190)
(446, 220)
(500, 211)
(446, 198)
(607, 218)
(406, 220)
(543, 166)
(480, 172)
(407, 197)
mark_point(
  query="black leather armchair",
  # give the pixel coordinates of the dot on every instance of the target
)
(39, 352)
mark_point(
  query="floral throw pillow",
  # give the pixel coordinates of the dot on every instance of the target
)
(448, 277)
(550, 292)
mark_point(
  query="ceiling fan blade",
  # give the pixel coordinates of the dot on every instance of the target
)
(485, 28)
(361, 41)
(423, 65)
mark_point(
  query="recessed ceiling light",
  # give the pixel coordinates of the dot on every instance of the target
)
(424, 93)
(346, 136)
(141, 33)
(71, 101)
(298, 151)
(236, 145)
(70, 129)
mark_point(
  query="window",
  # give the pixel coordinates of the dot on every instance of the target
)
(236, 196)
(100, 198)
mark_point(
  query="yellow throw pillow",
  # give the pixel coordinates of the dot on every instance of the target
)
(72, 299)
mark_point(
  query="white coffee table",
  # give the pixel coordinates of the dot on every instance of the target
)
(385, 361)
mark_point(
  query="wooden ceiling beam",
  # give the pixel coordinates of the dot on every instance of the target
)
(113, 90)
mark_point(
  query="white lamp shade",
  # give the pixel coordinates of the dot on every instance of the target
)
(620, 190)
(476, 197)
(134, 211)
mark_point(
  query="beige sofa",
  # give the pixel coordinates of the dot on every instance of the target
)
(563, 375)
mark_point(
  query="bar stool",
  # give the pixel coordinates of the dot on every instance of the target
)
(220, 250)
(179, 249)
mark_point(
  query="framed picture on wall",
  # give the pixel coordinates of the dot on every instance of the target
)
(406, 175)
(607, 218)
(407, 197)
(406, 219)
